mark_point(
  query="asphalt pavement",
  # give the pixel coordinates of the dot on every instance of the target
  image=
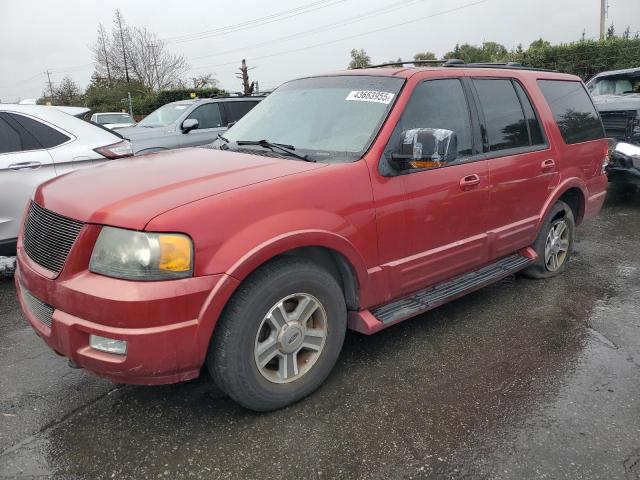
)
(524, 379)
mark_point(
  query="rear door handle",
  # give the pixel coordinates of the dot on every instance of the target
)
(25, 166)
(548, 166)
(469, 182)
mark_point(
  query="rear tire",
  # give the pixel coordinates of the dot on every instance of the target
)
(280, 335)
(554, 244)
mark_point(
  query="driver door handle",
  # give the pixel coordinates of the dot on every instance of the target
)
(25, 166)
(469, 182)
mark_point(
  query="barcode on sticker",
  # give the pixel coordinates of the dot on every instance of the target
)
(370, 96)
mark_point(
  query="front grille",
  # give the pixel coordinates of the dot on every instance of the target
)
(48, 237)
(38, 308)
(618, 124)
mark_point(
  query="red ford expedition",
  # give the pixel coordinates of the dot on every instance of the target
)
(352, 200)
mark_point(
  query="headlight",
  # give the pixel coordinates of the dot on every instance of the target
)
(135, 255)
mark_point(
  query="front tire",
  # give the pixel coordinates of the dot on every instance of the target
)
(280, 335)
(554, 244)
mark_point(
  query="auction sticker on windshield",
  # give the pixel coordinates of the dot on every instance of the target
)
(370, 96)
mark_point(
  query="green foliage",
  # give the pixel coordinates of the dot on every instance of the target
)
(585, 58)
(359, 59)
(425, 56)
(488, 52)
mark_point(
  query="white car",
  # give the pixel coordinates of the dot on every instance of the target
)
(113, 120)
(38, 143)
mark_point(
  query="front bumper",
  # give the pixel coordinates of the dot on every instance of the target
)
(167, 325)
(624, 175)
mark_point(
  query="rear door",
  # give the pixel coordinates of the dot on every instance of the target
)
(524, 169)
(210, 123)
(24, 164)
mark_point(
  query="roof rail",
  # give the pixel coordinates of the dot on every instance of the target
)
(456, 62)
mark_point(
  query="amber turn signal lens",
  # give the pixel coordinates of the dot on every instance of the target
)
(175, 253)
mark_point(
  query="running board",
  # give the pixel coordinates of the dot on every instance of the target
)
(369, 322)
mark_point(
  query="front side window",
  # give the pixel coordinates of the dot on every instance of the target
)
(45, 136)
(440, 104)
(505, 122)
(326, 118)
(573, 110)
(208, 116)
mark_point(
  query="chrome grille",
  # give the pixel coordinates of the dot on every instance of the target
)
(40, 310)
(618, 124)
(48, 237)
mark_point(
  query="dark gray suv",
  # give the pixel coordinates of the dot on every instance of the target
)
(187, 123)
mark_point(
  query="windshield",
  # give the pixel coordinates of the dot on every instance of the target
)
(325, 118)
(164, 116)
(114, 118)
(618, 85)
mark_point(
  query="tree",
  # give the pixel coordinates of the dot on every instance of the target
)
(488, 52)
(101, 49)
(67, 93)
(611, 32)
(203, 81)
(359, 59)
(627, 33)
(539, 44)
(243, 74)
(121, 40)
(425, 56)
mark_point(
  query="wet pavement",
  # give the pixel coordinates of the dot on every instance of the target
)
(523, 379)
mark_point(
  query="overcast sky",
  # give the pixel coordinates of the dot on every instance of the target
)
(55, 34)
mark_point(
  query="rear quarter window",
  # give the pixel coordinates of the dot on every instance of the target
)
(572, 110)
(237, 110)
(46, 136)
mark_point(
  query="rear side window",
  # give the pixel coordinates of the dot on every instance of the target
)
(573, 110)
(46, 136)
(9, 138)
(505, 122)
(535, 130)
(237, 110)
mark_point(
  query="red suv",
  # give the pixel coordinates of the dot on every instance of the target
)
(352, 200)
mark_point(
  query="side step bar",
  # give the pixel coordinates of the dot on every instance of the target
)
(369, 322)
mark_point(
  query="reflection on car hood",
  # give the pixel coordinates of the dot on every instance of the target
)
(129, 192)
(140, 133)
(630, 101)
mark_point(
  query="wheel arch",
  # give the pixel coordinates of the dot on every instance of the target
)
(574, 193)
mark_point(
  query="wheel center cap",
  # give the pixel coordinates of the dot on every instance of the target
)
(290, 338)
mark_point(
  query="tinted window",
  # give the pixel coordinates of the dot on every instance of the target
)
(208, 116)
(535, 130)
(46, 136)
(504, 119)
(573, 110)
(237, 110)
(9, 138)
(440, 104)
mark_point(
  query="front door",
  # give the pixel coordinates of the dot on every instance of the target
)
(434, 226)
(210, 124)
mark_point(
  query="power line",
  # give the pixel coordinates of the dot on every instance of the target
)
(303, 9)
(322, 28)
(413, 20)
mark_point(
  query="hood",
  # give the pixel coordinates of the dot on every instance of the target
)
(606, 103)
(129, 192)
(117, 126)
(141, 133)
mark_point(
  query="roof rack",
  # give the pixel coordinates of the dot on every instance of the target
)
(456, 62)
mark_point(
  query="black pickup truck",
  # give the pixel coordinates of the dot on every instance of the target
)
(616, 95)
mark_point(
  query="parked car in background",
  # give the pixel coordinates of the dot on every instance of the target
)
(624, 164)
(351, 200)
(113, 120)
(616, 95)
(187, 123)
(38, 143)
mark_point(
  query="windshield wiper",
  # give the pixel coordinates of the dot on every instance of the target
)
(288, 149)
(225, 140)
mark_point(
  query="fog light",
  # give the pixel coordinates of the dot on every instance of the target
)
(109, 345)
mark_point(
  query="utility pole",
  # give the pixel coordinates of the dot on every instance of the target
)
(603, 14)
(50, 84)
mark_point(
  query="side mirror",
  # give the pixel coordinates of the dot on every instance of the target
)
(425, 148)
(189, 124)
